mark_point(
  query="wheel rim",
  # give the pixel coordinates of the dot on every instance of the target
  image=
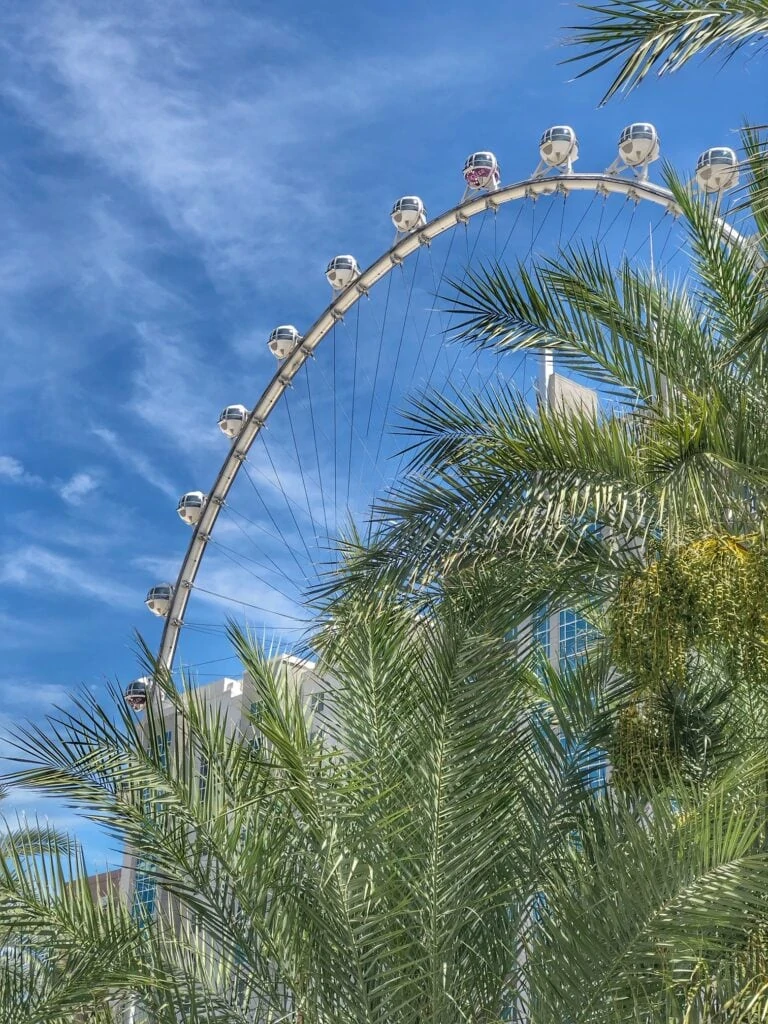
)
(339, 314)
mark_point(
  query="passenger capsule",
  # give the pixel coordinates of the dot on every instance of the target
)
(559, 146)
(341, 272)
(158, 600)
(639, 144)
(191, 506)
(137, 692)
(481, 171)
(408, 214)
(717, 169)
(283, 340)
(232, 420)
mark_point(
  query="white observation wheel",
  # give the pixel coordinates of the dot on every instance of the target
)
(485, 196)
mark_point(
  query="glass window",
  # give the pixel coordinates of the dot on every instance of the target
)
(163, 744)
(145, 892)
(597, 780)
(637, 131)
(575, 635)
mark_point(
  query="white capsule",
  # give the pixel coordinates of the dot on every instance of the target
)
(639, 144)
(190, 507)
(341, 272)
(481, 171)
(717, 169)
(559, 146)
(159, 599)
(408, 214)
(283, 340)
(232, 420)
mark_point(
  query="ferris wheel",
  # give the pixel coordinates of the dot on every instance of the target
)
(309, 455)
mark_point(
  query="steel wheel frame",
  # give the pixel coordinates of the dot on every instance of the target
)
(602, 183)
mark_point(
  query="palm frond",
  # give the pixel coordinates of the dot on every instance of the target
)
(637, 941)
(626, 330)
(663, 35)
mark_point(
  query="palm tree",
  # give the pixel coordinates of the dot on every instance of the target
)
(663, 35)
(380, 869)
(63, 958)
(434, 849)
(647, 514)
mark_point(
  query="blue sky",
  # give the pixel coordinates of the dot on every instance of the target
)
(173, 179)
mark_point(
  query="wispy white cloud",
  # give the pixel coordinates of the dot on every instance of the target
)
(90, 530)
(204, 155)
(13, 470)
(75, 490)
(23, 698)
(37, 568)
(161, 568)
(26, 694)
(174, 391)
(136, 461)
(214, 144)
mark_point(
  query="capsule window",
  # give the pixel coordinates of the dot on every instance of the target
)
(637, 131)
(557, 135)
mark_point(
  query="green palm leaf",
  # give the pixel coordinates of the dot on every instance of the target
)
(663, 35)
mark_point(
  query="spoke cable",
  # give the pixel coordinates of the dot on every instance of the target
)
(393, 374)
(252, 540)
(235, 556)
(277, 526)
(378, 355)
(307, 376)
(300, 463)
(250, 604)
